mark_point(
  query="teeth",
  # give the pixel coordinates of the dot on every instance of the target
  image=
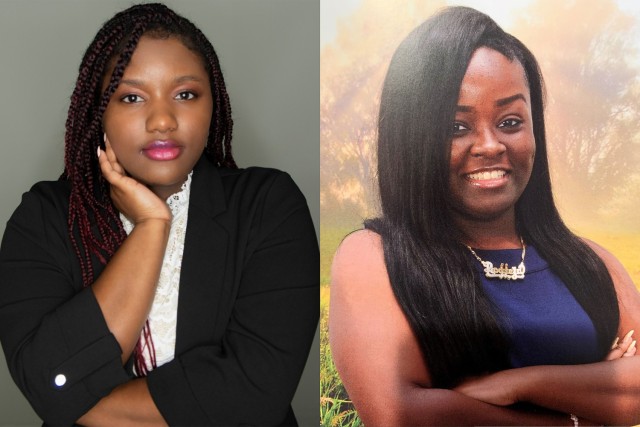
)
(481, 176)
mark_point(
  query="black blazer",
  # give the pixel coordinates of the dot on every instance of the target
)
(247, 311)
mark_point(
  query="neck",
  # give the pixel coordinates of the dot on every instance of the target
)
(166, 191)
(497, 233)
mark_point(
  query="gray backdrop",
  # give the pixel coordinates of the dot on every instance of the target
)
(269, 51)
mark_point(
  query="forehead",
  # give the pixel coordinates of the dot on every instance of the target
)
(490, 74)
(158, 55)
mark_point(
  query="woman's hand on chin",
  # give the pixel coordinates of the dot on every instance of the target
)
(135, 200)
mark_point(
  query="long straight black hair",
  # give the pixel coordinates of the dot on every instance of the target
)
(431, 273)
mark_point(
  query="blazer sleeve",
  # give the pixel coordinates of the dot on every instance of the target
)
(57, 345)
(250, 377)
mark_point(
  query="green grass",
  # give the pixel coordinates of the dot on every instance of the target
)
(335, 407)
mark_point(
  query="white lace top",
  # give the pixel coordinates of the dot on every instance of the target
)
(164, 310)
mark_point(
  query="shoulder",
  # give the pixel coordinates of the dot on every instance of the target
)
(615, 267)
(364, 314)
(241, 178)
(38, 227)
(359, 278)
(258, 183)
(53, 192)
(359, 261)
(251, 173)
(254, 177)
(257, 190)
(245, 191)
(628, 295)
(264, 200)
(48, 200)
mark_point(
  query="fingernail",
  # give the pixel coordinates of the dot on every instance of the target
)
(98, 152)
(104, 137)
(628, 336)
(615, 343)
(631, 347)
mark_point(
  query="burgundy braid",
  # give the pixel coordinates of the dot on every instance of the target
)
(95, 229)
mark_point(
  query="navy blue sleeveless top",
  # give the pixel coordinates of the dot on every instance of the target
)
(544, 323)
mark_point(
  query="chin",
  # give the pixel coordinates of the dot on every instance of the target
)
(158, 176)
(487, 212)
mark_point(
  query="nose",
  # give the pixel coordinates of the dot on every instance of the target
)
(161, 118)
(487, 144)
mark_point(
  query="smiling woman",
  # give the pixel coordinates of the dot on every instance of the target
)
(156, 282)
(493, 146)
(474, 301)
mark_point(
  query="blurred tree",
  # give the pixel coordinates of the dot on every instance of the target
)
(352, 69)
(589, 57)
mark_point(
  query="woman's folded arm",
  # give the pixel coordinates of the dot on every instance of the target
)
(380, 361)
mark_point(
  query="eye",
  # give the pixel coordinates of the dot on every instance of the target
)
(131, 98)
(510, 124)
(459, 129)
(185, 95)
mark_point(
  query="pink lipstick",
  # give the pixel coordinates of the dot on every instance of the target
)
(162, 150)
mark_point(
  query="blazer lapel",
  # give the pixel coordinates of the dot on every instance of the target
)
(204, 259)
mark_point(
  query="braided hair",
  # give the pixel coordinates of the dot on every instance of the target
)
(95, 229)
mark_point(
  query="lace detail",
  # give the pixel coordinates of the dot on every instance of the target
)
(180, 200)
(164, 310)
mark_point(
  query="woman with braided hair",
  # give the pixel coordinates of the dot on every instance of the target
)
(476, 304)
(155, 282)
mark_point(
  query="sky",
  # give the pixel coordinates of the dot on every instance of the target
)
(331, 11)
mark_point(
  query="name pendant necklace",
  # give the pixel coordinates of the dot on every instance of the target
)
(503, 272)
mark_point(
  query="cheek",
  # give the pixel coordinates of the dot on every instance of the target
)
(205, 116)
(121, 135)
(200, 127)
(526, 157)
(456, 156)
(112, 123)
(524, 145)
(203, 123)
(531, 150)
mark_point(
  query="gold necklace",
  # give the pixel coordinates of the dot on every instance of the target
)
(504, 271)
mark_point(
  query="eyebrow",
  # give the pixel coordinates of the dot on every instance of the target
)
(178, 80)
(508, 100)
(499, 103)
(188, 78)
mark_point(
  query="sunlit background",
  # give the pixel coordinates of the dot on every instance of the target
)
(589, 52)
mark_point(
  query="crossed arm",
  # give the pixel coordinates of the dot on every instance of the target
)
(125, 292)
(246, 374)
(369, 334)
(250, 377)
(66, 346)
(607, 392)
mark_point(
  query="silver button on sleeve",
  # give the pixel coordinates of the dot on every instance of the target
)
(60, 380)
